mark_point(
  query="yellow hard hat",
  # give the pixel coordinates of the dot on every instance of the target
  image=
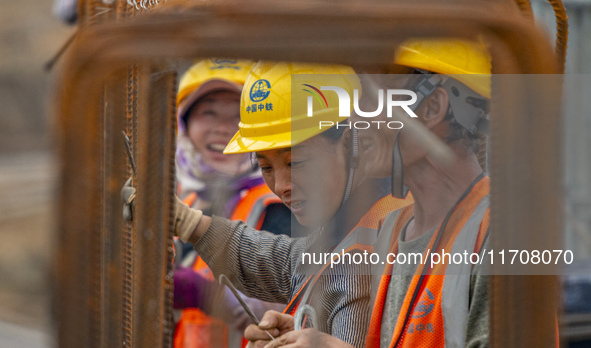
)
(210, 75)
(277, 101)
(466, 61)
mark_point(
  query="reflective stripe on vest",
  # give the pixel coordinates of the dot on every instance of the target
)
(190, 199)
(361, 237)
(251, 208)
(435, 308)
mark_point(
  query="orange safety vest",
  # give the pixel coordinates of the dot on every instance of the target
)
(361, 237)
(195, 329)
(428, 299)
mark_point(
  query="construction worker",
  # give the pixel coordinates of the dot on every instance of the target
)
(414, 304)
(228, 185)
(224, 185)
(318, 174)
(447, 304)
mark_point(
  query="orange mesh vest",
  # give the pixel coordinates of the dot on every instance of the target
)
(355, 240)
(421, 319)
(195, 329)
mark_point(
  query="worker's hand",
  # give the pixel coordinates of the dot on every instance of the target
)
(274, 322)
(307, 338)
(186, 220)
(128, 196)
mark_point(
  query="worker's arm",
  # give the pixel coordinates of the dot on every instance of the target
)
(258, 263)
(350, 320)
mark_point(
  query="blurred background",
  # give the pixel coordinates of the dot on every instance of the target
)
(31, 34)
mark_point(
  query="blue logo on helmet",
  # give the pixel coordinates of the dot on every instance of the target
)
(260, 90)
(220, 61)
(224, 64)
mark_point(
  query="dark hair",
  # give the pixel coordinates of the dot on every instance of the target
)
(333, 134)
(457, 132)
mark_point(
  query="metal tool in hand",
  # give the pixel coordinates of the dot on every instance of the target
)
(225, 281)
(128, 149)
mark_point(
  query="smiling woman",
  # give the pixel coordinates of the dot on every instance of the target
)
(208, 115)
(211, 123)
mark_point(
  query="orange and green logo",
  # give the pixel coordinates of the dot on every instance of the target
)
(316, 93)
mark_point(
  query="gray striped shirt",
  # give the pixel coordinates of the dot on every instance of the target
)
(268, 267)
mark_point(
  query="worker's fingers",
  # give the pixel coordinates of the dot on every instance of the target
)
(307, 338)
(128, 194)
(274, 319)
(288, 338)
(127, 214)
(254, 333)
(274, 322)
(256, 344)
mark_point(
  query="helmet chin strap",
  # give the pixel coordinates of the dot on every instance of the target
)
(353, 163)
(398, 188)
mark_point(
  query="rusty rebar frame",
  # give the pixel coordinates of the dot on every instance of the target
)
(358, 34)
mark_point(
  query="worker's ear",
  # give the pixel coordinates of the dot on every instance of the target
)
(436, 108)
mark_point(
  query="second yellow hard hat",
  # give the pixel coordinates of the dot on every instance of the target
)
(466, 61)
(276, 101)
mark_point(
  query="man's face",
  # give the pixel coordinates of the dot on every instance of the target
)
(310, 178)
(210, 126)
(376, 143)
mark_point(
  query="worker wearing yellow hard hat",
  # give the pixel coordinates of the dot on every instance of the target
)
(438, 303)
(430, 303)
(280, 119)
(314, 171)
(214, 85)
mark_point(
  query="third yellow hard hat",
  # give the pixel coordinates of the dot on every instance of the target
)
(283, 103)
(230, 71)
(466, 61)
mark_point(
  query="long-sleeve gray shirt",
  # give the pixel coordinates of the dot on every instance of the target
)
(269, 267)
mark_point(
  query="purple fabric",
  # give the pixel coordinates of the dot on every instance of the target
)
(192, 290)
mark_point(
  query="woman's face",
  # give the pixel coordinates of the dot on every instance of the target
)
(211, 124)
(310, 178)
